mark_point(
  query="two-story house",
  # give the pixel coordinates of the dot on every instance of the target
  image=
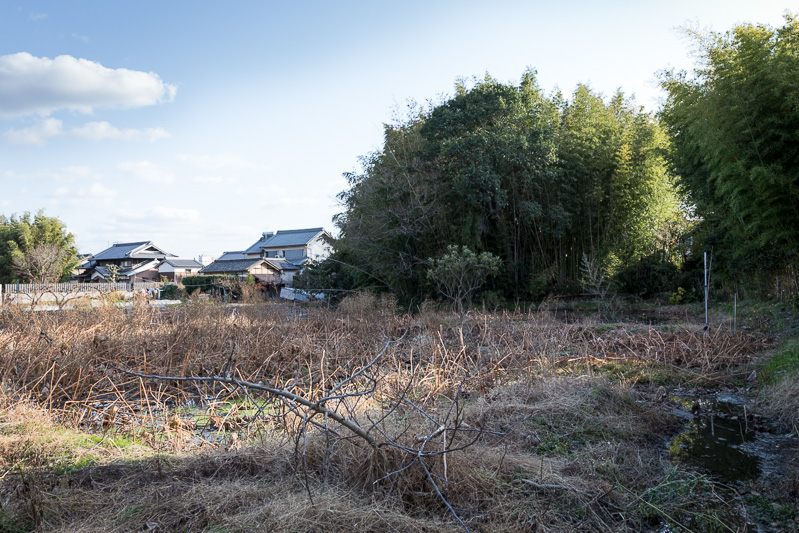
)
(137, 261)
(276, 257)
(297, 246)
(130, 261)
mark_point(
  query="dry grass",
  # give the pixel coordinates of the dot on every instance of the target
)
(784, 400)
(548, 442)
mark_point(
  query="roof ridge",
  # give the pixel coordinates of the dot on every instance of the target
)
(297, 230)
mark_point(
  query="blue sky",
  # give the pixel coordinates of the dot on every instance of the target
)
(198, 125)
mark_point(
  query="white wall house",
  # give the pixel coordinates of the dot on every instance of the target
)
(175, 269)
(297, 246)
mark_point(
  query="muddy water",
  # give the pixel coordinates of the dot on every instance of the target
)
(725, 439)
(716, 435)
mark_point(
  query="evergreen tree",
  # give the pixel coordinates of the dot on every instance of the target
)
(505, 170)
(30, 245)
(735, 129)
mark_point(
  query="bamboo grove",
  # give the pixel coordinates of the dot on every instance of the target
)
(540, 182)
(550, 183)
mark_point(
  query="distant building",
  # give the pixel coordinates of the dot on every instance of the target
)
(205, 260)
(136, 261)
(130, 261)
(278, 272)
(175, 269)
(298, 245)
(276, 257)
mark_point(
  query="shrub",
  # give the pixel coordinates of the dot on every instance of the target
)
(649, 276)
(170, 291)
(205, 283)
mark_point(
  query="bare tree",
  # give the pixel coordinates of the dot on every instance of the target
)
(43, 263)
(445, 434)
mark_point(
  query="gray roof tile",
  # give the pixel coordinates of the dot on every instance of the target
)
(281, 264)
(284, 238)
(131, 250)
(232, 265)
(295, 237)
(182, 263)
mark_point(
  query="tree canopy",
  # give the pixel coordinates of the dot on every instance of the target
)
(536, 181)
(735, 129)
(35, 249)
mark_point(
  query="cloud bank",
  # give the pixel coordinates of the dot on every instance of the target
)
(51, 128)
(146, 171)
(32, 85)
(219, 161)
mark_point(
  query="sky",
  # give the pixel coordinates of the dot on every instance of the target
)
(198, 125)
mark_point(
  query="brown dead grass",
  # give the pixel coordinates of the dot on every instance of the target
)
(560, 451)
(784, 400)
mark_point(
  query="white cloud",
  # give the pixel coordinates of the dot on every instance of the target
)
(270, 190)
(103, 130)
(173, 214)
(146, 171)
(74, 172)
(296, 201)
(84, 197)
(38, 134)
(39, 85)
(51, 128)
(216, 162)
(37, 16)
(273, 196)
(214, 180)
(94, 191)
(68, 174)
(98, 190)
(80, 38)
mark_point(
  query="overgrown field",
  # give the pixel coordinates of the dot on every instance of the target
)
(362, 419)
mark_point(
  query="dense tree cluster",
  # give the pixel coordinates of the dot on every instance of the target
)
(35, 249)
(735, 130)
(536, 181)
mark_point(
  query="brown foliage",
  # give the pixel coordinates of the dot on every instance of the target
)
(494, 383)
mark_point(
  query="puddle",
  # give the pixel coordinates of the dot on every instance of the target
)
(720, 437)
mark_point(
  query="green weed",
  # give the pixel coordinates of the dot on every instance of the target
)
(784, 362)
(71, 466)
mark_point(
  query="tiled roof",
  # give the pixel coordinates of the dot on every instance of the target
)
(183, 263)
(227, 256)
(256, 248)
(281, 264)
(131, 250)
(294, 237)
(284, 238)
(232, 265)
